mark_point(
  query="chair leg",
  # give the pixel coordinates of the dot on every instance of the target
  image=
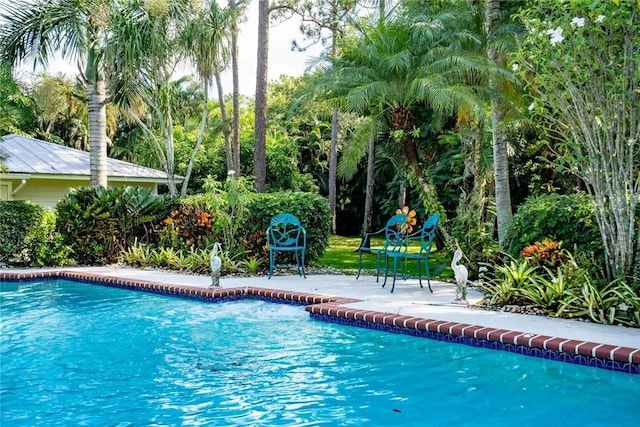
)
(386, 269)
(304, 274)
(426, 267)
(395, 268)
(271, 262)
(378, 267)
(419, 273)
(297, 255)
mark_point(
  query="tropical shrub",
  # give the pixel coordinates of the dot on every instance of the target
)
(28, 236)
(506, 283)
(547, 254)
(46, 245)
(187, 226)
(585, 101)
(229, 202)
(550, 294)
(99, 223)
(562, 218)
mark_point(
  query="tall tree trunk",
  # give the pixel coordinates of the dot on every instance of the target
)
(368, 198)
(504, 212)
(236, 88)
(402, 194)
(333, 163)
(96, 104)
(260, 131)
(225, 125)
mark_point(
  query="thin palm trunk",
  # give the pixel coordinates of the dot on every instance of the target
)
(236, 88)
(368, 199)
(201, 130)
(97, 111)
(168, 140)
(225, 125)
(333, 162)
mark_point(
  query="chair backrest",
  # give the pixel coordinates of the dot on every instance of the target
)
(284, 230)
(428, 232)
(395, 231)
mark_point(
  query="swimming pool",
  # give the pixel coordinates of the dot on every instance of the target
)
(77, 354)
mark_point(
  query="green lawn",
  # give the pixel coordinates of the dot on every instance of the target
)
(341, 254)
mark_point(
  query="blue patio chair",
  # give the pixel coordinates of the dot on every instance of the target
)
(424, 237)
(394, 232)
(286, 235)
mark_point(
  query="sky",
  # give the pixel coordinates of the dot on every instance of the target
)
(282, 60)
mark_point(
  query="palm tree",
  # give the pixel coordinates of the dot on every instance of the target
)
(76, 29)
(499, 134)
(143, 46)
(206, 41)
(237, 9)
(414, 59)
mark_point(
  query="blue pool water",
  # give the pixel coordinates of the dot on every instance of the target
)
(76, 354)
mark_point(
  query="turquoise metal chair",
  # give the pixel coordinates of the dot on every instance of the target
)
(394, 232)
(400, 253)
(286, 235)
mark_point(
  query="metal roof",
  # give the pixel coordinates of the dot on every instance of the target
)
(33, 156)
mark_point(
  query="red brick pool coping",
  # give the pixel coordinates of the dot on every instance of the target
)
(333, 307)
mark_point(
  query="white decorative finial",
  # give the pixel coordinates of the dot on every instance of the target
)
(461, 274)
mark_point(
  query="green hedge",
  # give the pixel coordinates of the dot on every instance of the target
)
(311, 209)
(28, 236)
(17, 219)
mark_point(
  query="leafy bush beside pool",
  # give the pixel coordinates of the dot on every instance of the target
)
(29, 237)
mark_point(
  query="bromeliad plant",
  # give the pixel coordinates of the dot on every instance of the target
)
(509, 282)
(561, 289)
(616, 304)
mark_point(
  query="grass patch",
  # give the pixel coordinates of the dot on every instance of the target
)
(342, 255)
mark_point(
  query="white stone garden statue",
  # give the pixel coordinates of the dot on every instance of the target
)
(461, 274)
(216, 265)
